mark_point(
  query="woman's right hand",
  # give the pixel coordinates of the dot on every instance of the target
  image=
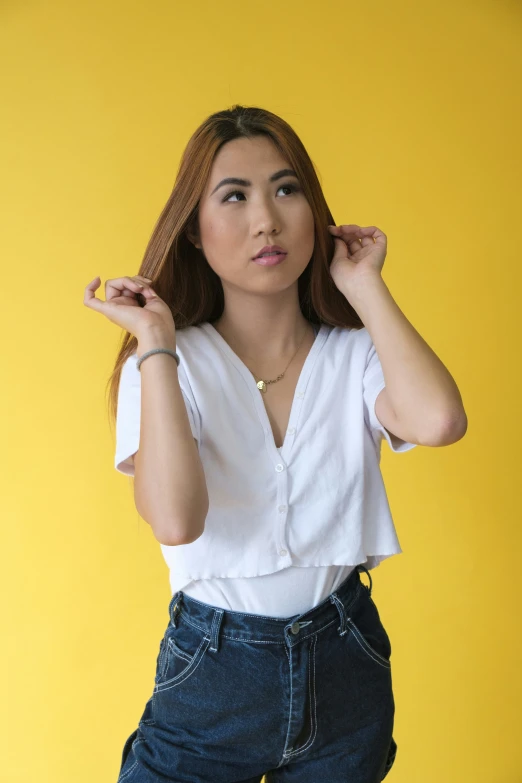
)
(121, 305)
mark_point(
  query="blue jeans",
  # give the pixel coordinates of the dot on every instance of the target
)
(236, 696)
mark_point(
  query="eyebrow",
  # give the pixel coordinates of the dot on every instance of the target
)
(245, 183)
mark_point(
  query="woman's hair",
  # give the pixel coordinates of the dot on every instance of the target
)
(181, 275)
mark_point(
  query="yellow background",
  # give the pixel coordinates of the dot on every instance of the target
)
(412, 113)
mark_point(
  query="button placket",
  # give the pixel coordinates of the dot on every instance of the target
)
(282, 493)
(281, 468)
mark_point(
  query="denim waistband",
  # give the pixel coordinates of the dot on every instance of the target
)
(213, 620)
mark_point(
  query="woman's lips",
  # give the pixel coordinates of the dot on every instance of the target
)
(276, 258)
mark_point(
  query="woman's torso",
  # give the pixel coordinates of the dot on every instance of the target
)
(292, 590)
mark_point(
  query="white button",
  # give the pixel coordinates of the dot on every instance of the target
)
(291, 430)
(300, 394)
(279, 467)
(282, 508)
(283, 552)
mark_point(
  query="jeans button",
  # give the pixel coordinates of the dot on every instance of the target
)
(295, 627)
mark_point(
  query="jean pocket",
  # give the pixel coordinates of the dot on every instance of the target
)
(368, 634)
(181, 649)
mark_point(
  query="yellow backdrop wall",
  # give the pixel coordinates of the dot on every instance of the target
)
(411, 112)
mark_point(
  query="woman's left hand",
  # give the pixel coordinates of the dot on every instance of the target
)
(359, 252)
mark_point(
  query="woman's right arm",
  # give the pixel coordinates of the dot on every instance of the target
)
(170, 490)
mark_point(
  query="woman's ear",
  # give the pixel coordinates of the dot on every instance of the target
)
(192, 235)
(194, 240)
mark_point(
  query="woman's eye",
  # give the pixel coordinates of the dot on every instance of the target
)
(293, 188)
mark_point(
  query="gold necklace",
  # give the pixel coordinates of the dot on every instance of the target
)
(261, 384)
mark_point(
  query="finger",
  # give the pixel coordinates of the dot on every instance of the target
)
(353, 241)
(372, 232)
(131, 297)
(115, 287)
(353, 244)
(147, 290)
(89, 297)
(140, 279)
(370, 235)
(141, 288)
(146, 282)
(351, 230)
(349, 234)
(121, 282)
(340, 247)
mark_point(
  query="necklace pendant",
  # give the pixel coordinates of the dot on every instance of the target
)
(261, 385)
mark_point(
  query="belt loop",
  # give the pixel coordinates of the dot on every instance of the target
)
(342, 612)
(175, 607)
(360, 568)
(215, 628)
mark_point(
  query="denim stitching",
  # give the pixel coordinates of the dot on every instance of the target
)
(133, 767)
(179, 652)
(370, 652)
(285, 756)
(182, 615)
(342, 613)
(126, 774)
(290, 752)
(311, 690)
(187, 672)
(147, 721)
(215, 629)
(262, 641)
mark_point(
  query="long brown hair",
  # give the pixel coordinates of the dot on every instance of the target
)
(179, 271)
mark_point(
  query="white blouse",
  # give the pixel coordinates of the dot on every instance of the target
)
(285, 525)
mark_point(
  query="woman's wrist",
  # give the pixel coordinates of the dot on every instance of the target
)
(156, 338)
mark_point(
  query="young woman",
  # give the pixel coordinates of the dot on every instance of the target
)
(263, 364)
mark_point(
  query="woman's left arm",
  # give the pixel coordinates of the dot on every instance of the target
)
(421, 398)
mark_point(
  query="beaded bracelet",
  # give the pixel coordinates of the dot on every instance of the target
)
(157, 350)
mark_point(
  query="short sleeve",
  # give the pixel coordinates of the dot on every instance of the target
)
(129, 414)
(373, 383)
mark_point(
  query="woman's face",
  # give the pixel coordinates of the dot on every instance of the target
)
(236, 221)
